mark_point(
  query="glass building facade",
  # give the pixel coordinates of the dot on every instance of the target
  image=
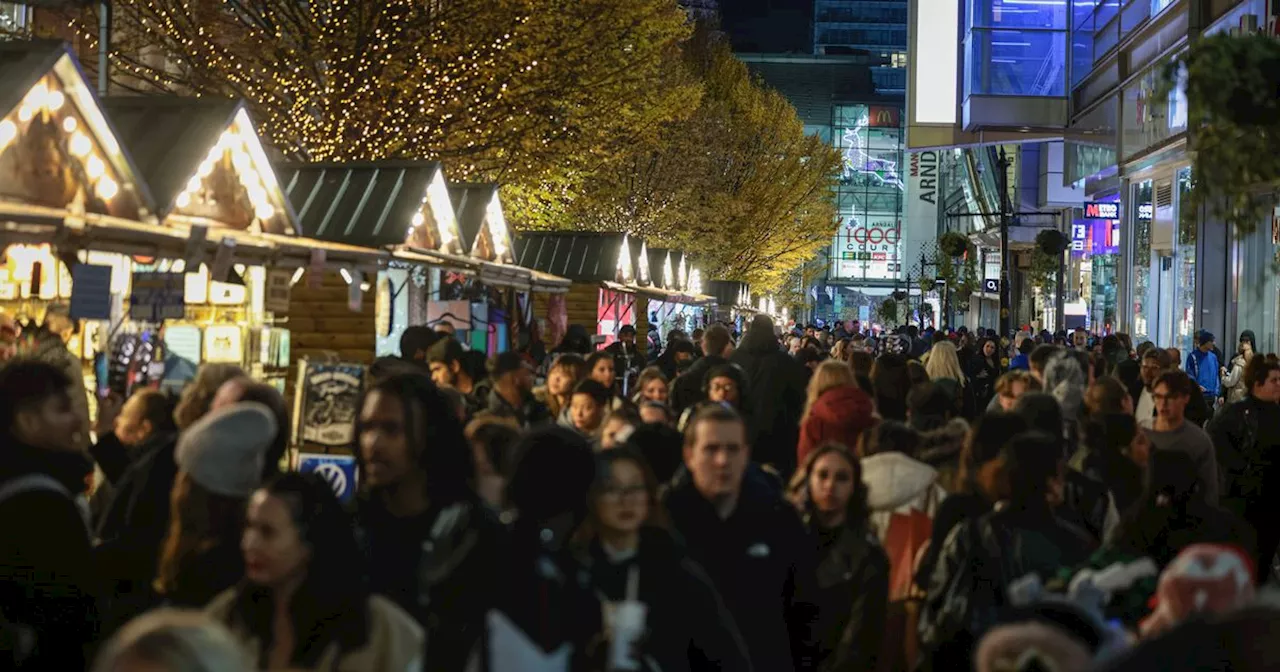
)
(878, 27)
(1015, 48)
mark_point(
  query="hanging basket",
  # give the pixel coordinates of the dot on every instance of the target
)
(1052, 241)
(953, 244)
(899, 295)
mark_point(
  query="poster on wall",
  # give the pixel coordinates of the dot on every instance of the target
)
(326, 402)
(868, 249)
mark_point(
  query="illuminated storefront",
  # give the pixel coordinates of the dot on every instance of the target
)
(1094, 264)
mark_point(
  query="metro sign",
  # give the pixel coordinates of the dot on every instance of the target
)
(1102, 211)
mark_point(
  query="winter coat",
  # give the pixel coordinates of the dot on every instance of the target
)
(1246, 441)
(982, 381)
(46, 573)
(840, 415)
(775, 397)
(689, 627)
(541, 591)
(852, 597)
(978, 563)
(532, 414)
(762, 563)
(689, 388)
(940, 448)
(1233, 383)
(438, 567)
(1121, 477)
(899, 484)
(133, 528)
(1087, 504)
(394, 640)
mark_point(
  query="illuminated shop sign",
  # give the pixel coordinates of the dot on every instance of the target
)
(1145, 211)
(1102, 211)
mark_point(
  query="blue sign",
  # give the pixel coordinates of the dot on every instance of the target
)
(339, 471)
(158, 297)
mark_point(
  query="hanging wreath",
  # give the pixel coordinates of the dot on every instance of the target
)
(1232, 85)
(953, 244)
(1052, 241)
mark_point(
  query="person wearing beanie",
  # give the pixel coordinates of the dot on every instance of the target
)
(220, 459)
(433, 545)
(1203, 365)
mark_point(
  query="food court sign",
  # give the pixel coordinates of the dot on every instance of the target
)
(868, 249)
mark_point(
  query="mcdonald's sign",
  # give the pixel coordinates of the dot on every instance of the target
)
(884, 117)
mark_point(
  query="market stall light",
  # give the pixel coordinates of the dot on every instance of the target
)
(8, 131)
(297, 276)
(107, 188)
(80, 145)
(94, 167)
(183, 200)
(346, 276)
(70, 124)
(54, 100)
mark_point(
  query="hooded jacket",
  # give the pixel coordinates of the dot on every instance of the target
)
(775, 397)
(897, 483)
(840, 415)
(762, 563)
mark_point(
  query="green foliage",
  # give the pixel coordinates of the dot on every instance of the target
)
(1233, 119)
(888, 312)
(953, 244)
(1044, 269)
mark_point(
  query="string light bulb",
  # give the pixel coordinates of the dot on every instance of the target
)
(69, 124)
(8, 131)
(94, 167)
(80, 144)
(107, 188)
(54, 100)
(183, 200)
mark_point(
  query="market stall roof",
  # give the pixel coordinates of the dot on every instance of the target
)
(482, 222)
(731, 293)
(660, 270)
(204, 162)
(580, 256)
(57, 148)
(379, 204)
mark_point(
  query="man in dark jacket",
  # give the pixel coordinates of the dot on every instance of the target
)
(512, 392)
(46, 585)
(749, 540)
(1246, 438)
(689, 388)
(776, 392)
(433, 546)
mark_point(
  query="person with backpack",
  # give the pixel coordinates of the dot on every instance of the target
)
(46, 574)
(984, 556)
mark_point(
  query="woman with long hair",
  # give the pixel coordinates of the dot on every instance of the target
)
(1233, 375)
(836, 409)
(565, 373)
(984, 369)
(652, 385)
(220, 460)
(944, 369)
(630, 555)
(304, 603)
(853, 570)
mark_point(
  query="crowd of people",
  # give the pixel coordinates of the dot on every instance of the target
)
(810, 500)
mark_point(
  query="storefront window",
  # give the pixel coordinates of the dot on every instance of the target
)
(1259, 301)
(1140, 261)
(1185, 313)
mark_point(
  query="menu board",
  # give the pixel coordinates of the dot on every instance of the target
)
(328, 397)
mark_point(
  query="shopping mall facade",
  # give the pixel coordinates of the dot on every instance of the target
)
(1076, 82)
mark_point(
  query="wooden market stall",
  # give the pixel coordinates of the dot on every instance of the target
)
(499, 298)
(400, 207)
(72, 201)
(676, 299)
(208, 170)
(606, 282)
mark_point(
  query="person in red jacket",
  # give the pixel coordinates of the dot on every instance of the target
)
(837, 410)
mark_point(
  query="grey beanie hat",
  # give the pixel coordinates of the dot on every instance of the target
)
(224, 451)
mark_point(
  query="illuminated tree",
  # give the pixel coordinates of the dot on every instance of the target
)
(738, 184)
(526, 91)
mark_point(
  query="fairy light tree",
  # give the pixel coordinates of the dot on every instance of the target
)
(520, 91)
(738, 183)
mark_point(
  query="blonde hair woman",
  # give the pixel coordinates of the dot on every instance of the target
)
(944, 363)
(829, 375)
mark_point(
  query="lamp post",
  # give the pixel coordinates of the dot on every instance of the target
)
(1002, 183)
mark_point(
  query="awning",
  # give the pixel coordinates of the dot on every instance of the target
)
(549, 284)
(581, 257)
(456, 263)
(506, 275)
(295, 252)
(672, 296)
